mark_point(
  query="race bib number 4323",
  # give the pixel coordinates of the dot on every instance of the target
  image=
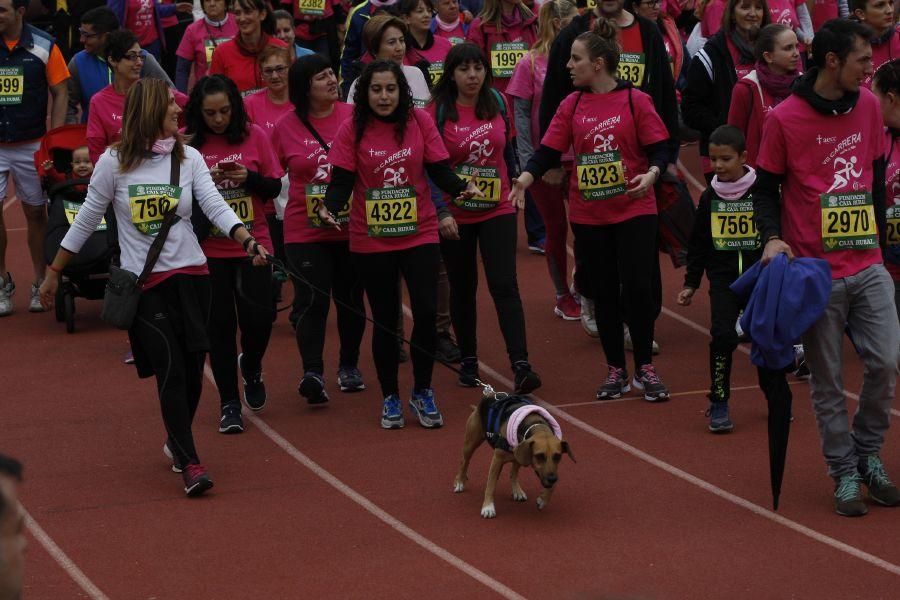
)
(848, 222)
(600, 175)
(149, 204)
(391, 212)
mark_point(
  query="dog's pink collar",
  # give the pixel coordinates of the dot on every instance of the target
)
(518, 415)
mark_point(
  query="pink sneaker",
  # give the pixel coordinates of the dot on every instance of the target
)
(196, 479)
(567, 308)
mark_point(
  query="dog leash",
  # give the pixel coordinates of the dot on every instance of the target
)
(487, 389)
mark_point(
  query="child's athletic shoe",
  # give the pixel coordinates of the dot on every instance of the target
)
(350, 379)
(196, 480)
(567, 308)
(881, 489)
(646, 379)
(615, 385)
(312, 387)
(392, 413)
(254, 388)
(424, 408)
(719, 421)
(34, 305)
(848, 500)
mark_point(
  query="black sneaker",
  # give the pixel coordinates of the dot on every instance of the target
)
(231, 421)
(526, 380)
(447, 351)
(615, 385)
(350, 379)
(881, 490)
(312, 387)
(468, 376)
(848, 500)
(254, 388)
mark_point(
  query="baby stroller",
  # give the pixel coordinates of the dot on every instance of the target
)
(86, 274)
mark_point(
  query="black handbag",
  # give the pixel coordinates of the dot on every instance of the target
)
(123, 290)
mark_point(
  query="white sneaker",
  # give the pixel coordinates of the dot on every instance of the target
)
(7, 289)
(629, 345)
(34, 305)
(588, 320)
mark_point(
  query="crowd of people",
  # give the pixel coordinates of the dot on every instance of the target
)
(397, 140)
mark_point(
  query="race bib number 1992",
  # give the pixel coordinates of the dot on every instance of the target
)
(504, 56)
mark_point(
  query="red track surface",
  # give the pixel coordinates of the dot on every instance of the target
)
(656, 507)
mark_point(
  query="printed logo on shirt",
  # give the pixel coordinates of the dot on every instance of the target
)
(604, 143)
(323, 168)
(844, 173)
(783, 17)
(398, 156)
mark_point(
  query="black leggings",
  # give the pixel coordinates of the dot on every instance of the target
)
(621, 255)
(497, 239)
(178, 368)
(241, 296)
(419, 267)
(327, 266)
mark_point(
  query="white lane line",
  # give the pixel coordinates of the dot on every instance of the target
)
(689, 177)
(672, 395)
(373, 509)
(9, 202)
(62, 559)
(705, 485)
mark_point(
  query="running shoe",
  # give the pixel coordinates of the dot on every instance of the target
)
(615, 386)
(254, 388)
(468, 372)
(629, 345)
(231, 421)
(129, 357)
(350, 379)
(392, 413)
(881, 489)
(646, 379)
(525, 379)
(424, 408)
(588, 319)
(176, 468)
(7, 289)
(719, 421)
(34, 305)
(567, 308)
(312, 387)
(537, 246)
(848, 500)
(446, 350)
(196, 480)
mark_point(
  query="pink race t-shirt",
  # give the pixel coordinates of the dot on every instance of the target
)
(785, 12)
(476, 151)
(823, 10)
(255, 153)
(391, 207)
(200, 41)
(140, 18)
(265, 113)
(712, 18)
(306, 162)
(455, 36)
(608, 138)
(434, 55)
(826, 162)
(527, 83)
(882, 53)
(892, 200)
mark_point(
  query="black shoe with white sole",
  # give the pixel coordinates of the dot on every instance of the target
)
(231, 421)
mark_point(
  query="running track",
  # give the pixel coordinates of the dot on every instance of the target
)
(324, 504)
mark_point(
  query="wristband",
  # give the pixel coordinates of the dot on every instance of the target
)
(773, 237)
(246, 243)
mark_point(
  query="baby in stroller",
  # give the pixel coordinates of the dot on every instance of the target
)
(81, 168)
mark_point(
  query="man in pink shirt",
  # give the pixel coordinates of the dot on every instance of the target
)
(831, 205)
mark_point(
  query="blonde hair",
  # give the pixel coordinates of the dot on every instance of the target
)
(550, 10)
(492, 11)
(146, 105)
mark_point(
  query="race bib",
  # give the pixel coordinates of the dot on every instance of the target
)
(391, 212)
(600, 175)
(12, 84)
(732, 225)
(631, 68)
(456, 40)
(210, 46)
(893, 225)
(504, 56)
(315, 197)
(242, 205)
(314, 8)
(71, 209)
(848, 221)
(436, 69)
(149, 203)
(488, 181)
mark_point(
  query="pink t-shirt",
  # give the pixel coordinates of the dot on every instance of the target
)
(140, 18)
(608, 138)
(712, 18)
(306, 162)
(265, 113)
(827, 164)
(255, 153)
(476, 151)
(882, 53)
(434, 55)
(892, 200)
(527, 83)
(200, 41)
(384, 215)
(823, 10)
(455, 36)
(785, 12)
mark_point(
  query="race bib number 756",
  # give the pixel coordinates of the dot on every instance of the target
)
(149, 204)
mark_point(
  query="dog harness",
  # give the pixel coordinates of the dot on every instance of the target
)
(510, 411)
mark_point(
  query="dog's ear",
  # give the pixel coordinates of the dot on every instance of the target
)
(523, 453)
(567, 450)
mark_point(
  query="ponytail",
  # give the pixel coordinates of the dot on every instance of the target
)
(601, 43)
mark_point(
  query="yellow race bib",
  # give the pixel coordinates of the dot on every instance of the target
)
(848, 221)
(12, 84)
(732, 225)
(315, 197)
(242, 205)
(314, 8)
(488, 181)
(436, 69)
(631, 68)
(893, 225)
(71, 209)
(505, 55)
(600, 175)
(391, 212)
(210, 46)
(149, 202)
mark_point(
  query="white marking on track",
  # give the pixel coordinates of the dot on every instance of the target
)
(9, 202)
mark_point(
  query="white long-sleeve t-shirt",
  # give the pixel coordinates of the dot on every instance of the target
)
(125, 190)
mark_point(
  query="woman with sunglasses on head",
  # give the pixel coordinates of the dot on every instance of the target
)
(381, 158)
(474, 123)
(237, 58)
(320, 254)
(247, 174)
(125, 58)
(201, 38)
(168, 335)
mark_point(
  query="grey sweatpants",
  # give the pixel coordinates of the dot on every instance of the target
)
(865, 302)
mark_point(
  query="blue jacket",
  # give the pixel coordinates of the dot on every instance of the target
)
(786, 298)
(161, 10)
(23, 114)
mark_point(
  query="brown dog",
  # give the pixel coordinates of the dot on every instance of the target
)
(538, 447)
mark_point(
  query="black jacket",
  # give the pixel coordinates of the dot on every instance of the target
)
(658, 82)
(707, 96)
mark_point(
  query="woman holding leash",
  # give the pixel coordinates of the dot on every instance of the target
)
(381, 157)
(168, 334)
(620, 151)
(247, 174)
(474, 122)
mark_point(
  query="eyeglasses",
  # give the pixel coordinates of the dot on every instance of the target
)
(135, 56)
(86, 34)
(268, 72)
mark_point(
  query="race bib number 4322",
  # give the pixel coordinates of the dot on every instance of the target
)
(391, 212)
(149, 203)
(848, 222)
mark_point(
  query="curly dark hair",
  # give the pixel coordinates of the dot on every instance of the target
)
(444, 94)
(196, 129)
(362, 111)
